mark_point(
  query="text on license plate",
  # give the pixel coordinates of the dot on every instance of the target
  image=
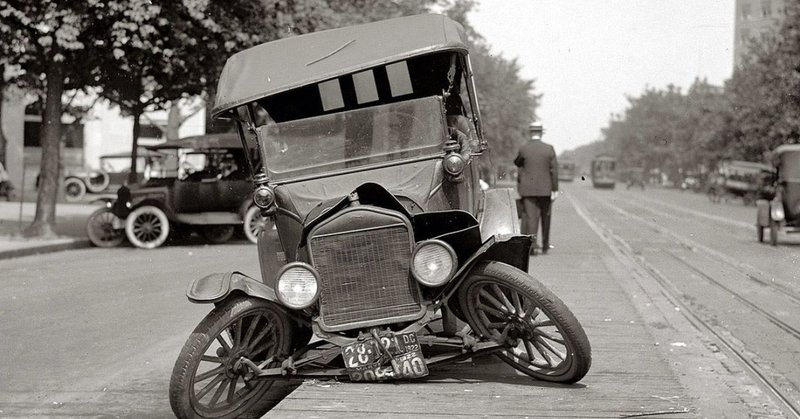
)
(363, 359)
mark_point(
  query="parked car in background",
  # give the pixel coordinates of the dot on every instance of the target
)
(749, 181)
(367, 142)
(198, 183)
(113, 173)
(782, 210)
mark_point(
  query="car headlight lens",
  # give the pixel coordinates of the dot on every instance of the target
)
(433, 263)
(263, 197)
(454, 164)
(298, 285)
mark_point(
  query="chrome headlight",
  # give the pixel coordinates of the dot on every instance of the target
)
(298, 285)
(263, 197)
(776, 211)
(433, 263)
(454, 164)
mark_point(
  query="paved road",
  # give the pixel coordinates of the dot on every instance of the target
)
(743, 294)
(96, 331)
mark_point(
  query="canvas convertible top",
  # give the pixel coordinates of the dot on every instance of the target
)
(285, 64)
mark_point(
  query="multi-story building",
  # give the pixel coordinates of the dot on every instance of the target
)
(754, 18)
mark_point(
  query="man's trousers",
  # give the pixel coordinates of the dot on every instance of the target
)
(534, 209)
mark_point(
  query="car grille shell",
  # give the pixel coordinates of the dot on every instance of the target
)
(363, 256)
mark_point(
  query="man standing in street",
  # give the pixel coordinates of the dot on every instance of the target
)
(537, 184)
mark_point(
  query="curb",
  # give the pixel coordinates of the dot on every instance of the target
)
(47, 248)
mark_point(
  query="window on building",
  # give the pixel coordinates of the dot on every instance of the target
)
(150, 131)
(745, 12)
(766, 8)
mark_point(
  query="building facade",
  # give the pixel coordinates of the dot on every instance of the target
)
(754, 18)
(103, 130)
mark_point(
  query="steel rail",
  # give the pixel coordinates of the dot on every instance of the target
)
(621, 249)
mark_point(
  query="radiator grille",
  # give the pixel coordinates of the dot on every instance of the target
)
(365, 277)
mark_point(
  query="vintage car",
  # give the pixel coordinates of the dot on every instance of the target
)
(388, 258)
(749, 181)
(198, 183)
(783, 209)
(604, 172)
(113, 173)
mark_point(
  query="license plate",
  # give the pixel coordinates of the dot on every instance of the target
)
(363, 359)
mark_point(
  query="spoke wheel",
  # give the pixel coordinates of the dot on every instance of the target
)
(217, 234)
(147, 227)
(97, 181)
(208, 380)
(255, 223)
(101, 231)
(541, 336)
(74, 189)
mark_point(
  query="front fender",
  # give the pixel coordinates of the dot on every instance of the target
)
(499, 215)
(511, 250)
(216, 287)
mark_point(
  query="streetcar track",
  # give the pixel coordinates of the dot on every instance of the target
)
(755, 274)
(769, 316)
(622, 250)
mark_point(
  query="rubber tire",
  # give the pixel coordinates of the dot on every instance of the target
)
(217, 234)
(773, 232)
(249, 219)
(74, 189)
(224, 314)
(571, 330)
(96, 237)
(162, 218)
(97, 187)
(760, 233)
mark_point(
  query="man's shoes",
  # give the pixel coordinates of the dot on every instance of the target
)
(546, 248)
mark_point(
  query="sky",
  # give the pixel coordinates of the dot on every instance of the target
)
(586, 56)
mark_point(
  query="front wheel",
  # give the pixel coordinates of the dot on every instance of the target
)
(541, 336)
(74, 189)
(255, 223)
(147, 227)
(209, 381)
(101, 228)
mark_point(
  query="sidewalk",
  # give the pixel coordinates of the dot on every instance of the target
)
(70, 228)
(647, 360)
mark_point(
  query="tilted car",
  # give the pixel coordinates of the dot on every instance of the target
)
(113, 173)
(387, 258)
(198, 183)
(783, 209)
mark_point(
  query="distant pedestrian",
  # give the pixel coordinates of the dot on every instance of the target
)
(537, 184)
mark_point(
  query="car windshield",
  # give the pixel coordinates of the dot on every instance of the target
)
(401, 130)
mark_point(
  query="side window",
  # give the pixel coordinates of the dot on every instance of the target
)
(331, 94)
(399, 79)
(366, 90)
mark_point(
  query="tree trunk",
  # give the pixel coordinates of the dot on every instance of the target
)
(45, 217)
(137, 128)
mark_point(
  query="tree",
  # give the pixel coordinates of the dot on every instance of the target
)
(508, 102)
(47, 40)
(156, 55)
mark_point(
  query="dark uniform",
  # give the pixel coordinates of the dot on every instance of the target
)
(537, 179)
